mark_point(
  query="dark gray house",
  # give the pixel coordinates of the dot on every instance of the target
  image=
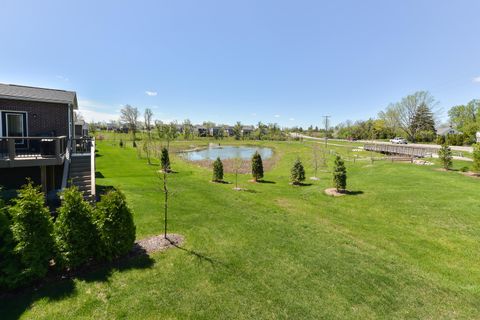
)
(38, 140)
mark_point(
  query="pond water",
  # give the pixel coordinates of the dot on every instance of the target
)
(227, 152)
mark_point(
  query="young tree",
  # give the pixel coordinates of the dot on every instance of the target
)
(445, 156)
(237, 130)
(315, 161)
(217, 170)
(114, 221)
(297, 173)
(257, 167)
(340, 174)
(32, 231)
(148, 115)
(476, 157)
(165, 160)
(129, 116)
(74, 231)
(237, 163)
(187, 130)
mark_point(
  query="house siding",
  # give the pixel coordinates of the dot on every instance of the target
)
(49, 116)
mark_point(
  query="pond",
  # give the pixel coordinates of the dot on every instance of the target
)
(227, 152)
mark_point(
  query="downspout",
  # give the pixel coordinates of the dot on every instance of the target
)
(66, 162)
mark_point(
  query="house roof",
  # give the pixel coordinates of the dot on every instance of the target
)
(447, 130)
(17, 92)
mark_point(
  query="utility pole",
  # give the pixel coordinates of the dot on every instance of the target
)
(326, 130)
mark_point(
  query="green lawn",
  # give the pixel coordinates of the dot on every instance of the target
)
(407, 245)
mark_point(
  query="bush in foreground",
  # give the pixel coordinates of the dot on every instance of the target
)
(297, 173)
(218, 170)
(476, 157)
(9, 263)
(257, 167)
(74, 231)
(115, 225)
(32, 232)
(339, 174)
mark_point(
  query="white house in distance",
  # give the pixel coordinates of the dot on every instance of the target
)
(444, 131)
(478, 136)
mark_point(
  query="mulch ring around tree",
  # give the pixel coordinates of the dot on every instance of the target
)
(157, 243)
(334, 193)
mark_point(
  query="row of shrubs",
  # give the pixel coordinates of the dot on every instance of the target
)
(32, 242)
(297, 172)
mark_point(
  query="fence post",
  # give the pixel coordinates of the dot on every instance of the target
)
(57, 148)
(11, 149)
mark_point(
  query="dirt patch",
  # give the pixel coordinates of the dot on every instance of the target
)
(157, 243)
(334, 193)
(471, 174)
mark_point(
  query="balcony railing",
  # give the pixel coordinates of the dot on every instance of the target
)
(18, 148)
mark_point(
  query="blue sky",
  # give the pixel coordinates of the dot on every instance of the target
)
(288, 62)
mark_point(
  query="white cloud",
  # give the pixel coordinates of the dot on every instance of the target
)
(151, 93)
(63, 78)
(277, 116)
(476, 79)
(292, 119)
(97, 111)
(254, 114)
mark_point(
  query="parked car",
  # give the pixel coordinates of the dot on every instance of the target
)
(398, 140)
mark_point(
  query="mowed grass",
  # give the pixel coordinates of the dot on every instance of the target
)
(406, 245)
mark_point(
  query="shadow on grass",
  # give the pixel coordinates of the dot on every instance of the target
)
(199, 255)
(266, 181)
(99, 175)
(302, 184)
(58, 286)
(354, 193)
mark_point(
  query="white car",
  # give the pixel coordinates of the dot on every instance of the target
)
(398, 140)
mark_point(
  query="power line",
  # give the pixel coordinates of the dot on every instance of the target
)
(326, 129)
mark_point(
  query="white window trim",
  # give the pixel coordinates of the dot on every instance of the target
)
(12, 111)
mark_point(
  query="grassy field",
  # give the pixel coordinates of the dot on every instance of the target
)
(405, 245)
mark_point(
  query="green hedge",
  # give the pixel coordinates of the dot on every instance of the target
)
(115, 226)
(75, 232)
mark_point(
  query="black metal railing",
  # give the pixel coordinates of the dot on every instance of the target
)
(81, 145)
(12, 148)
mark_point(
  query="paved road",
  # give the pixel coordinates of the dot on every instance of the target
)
(433, 146)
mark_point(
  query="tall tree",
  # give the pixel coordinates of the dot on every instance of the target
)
(339, 174)
(148, 114)
(129, 116)
(297, 173)
(257, 167)
(217, 170)
(187, 129)
(466, 118)
(410, 112)
(445, 156)
(237, 130)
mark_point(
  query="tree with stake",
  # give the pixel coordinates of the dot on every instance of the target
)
(445, 155)
(297, 173)
(315, 161)
(340, 174)
(237, 162)
(217, 170)
(257, 167)
(165, 160)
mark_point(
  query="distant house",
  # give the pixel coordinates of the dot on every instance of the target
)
(477, 135)
(247, 130)
(228, 131)
(39, 140)
(201, 131)
(447, 130)
(81, 129)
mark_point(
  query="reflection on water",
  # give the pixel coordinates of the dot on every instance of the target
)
(227, 152)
